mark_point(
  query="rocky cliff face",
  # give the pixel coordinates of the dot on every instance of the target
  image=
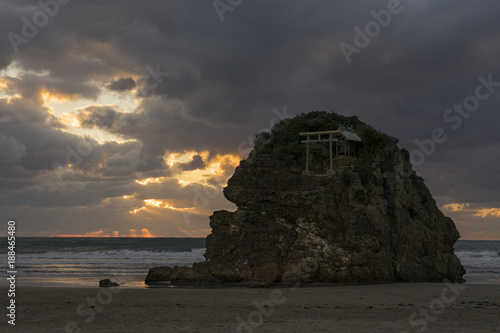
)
(372, 220)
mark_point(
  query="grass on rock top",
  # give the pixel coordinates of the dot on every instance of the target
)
(283, 141)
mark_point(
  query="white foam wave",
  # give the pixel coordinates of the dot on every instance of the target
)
(194, 254)
(479, 263)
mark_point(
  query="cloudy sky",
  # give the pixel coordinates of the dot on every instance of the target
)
(126, 118)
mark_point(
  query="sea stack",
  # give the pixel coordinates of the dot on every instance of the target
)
(327, 198)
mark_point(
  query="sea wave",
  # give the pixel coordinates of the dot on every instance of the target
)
(101, 263)
(480, 262)
(112, 254)
(478, 254)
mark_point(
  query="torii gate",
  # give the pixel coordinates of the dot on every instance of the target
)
(333, 136)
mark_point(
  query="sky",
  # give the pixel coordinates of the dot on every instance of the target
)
(126, 118)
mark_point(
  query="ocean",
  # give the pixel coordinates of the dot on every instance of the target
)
(481, 260)
(82, 262)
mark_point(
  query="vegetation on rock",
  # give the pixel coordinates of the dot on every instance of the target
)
(284, 143)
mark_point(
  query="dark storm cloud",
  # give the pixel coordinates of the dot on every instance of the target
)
(226, 77)
(34, 129)
(122, 84)
(101, 117)
(12, 151)
(30, 86)
(195, 163)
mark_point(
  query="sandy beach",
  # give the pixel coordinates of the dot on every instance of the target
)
(353, 308)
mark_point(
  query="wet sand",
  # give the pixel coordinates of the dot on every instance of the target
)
(354, 308)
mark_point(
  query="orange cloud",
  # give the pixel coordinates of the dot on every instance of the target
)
(153, 203)
(455, 207)
(146, 233)
(53, 96)
(69, 119)
(480, 212)
(150, 180)
(218, 167)
(488, 212)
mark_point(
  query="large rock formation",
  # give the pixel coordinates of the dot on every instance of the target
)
(371, 219)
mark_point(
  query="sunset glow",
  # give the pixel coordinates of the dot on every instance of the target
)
(152, 204)
(48, 96)
(150, 180)
(144, 233)
(217, 166)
